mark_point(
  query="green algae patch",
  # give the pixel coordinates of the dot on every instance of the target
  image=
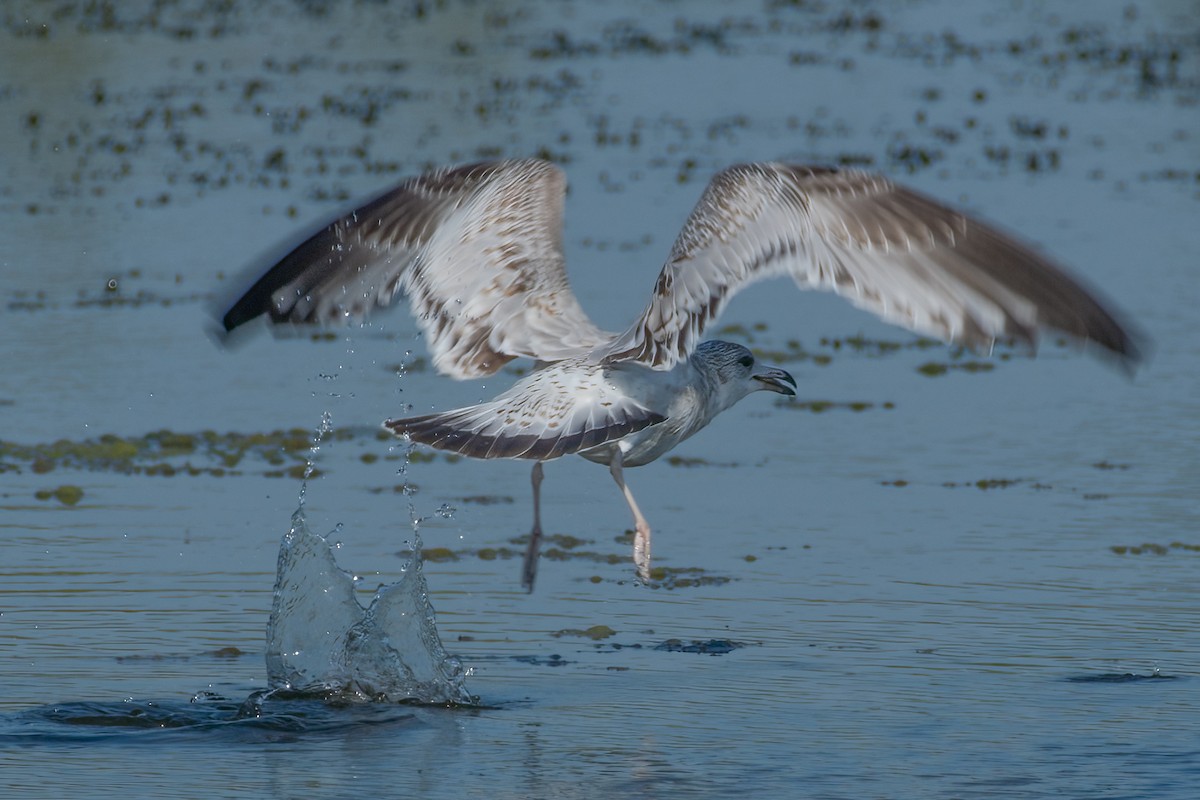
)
(68, 494)
(556, 547)
(933, 369)
(559, 554)
(878, 347)
(169, 453)
(975, 366)
(985, 484)
(821, 406)
(595, 633)
(670, 578)
(686, 461)
(413, 364)
(438, 554)
(566, 541)
(564, 547)
(406, 488)
(792, 352)
(734, 331)
(229, 651)
(710, 647)
(1151, 548)
(486, 499)
(694, 461)
(561, 540)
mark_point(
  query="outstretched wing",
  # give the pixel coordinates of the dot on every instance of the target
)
(553, 412)
(478, 251)
(887, 249)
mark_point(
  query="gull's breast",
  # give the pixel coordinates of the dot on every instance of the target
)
(686, 413)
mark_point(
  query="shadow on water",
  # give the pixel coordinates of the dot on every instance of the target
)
(268, 715)
(1120, 677)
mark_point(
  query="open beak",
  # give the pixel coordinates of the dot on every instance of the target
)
(774, 379)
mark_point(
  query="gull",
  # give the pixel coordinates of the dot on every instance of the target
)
(477, 250)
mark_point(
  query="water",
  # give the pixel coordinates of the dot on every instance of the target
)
(946, 593)
(320, 638)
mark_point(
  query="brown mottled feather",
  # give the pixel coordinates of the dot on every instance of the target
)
(887, 249)
(478, 251)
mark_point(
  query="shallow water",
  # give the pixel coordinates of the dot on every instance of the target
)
(981, 583)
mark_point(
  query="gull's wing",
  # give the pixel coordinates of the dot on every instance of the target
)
(478, 251)
(887, 249)
(556, 411)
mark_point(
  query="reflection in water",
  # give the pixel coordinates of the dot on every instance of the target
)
(321, 639)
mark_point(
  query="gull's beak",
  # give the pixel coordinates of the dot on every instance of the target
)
(774, 379)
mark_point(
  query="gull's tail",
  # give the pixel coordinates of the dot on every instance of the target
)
(500, 429)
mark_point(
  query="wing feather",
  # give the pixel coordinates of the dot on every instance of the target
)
(478, 251)
(892, 251)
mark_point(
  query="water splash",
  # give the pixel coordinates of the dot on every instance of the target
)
(321, 639)
(314, 449)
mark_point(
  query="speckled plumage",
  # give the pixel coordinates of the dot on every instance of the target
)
(477, 250)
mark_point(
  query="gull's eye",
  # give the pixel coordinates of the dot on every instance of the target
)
(746, 361)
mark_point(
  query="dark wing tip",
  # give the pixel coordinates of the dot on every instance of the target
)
(306, 263)
(985, 257)
(248, 307)
(1127, 346)
(1094, 320)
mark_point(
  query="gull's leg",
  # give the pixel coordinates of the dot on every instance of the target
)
(641, 528)
(529, 568)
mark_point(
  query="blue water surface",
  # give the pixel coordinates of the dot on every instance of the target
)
(976, 583)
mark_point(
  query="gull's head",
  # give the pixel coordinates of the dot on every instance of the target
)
(735, 372)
